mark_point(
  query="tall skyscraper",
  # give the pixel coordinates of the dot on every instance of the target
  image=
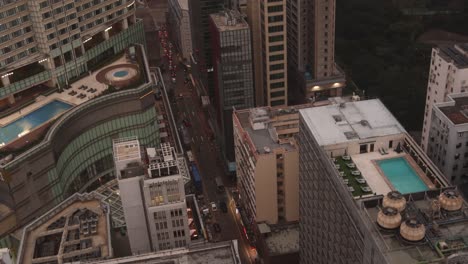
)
(179, 21)
(153, 196)
(267, 20)
(233, 78)
(54, 42)
(357, 205)
(447, 143)
(311, 49)
(448, 73)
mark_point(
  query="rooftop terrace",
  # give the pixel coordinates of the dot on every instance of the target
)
(282, 240)
(443, 232)
(350, 121)
(77, 229)
(270, 128)
(456, 108)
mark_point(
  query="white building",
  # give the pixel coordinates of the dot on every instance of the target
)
(153, 197)
(179, 20)
(448, 74)
(447, 144)
(5, 257)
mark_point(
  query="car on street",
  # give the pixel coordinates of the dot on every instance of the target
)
(173, 80)
(213, 207)
(186, 123)
(223, 206)
(217, 227)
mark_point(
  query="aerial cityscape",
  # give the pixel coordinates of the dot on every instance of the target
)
(233, 131)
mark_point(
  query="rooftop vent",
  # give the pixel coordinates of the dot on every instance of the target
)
(389, 218)
(450, 200)
(267, 149)
(395, 200)
(364, 123)
(342, 105)
(412, 230)
(337, 118)
(351, 135)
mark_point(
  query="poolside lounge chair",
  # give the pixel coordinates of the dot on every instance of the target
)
(361, 180)
(381, 151)
(385, 152)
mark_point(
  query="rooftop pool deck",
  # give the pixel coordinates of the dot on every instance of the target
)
(382, 181)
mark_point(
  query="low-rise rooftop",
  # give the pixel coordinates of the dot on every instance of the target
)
(456, 108)
(270, 128)
(458, 53)
(282, 240)
(229, 20)
(213, 253)
(350, 121)
(76, 229)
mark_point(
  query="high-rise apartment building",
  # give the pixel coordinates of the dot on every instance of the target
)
(311, 49)
(153, 196)
(179, 21)
(233, 79)
(448, 73)
(267, 20)
(267, 162)
(200, 11)
(447, 143)
(54, 42)
(369, 194)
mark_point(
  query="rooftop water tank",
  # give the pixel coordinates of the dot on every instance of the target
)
(396, 200)
(450, 200)
(412, 230)
(389, 218)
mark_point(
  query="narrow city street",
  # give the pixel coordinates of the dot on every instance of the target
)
(186, 105)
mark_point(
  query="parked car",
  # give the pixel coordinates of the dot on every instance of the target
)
(213, 207)
(216, 227)
(223, 206)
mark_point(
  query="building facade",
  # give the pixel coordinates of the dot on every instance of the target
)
(200, 11)
(153, 196)
(448, 73)
(232, 63)
(179, 20)
(55, 42)
(447, 144)
(76, 150)
(267, 20)
(311, 49)
(343, 222)
(267, 162)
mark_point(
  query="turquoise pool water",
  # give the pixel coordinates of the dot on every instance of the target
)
(32, 120)
(401, 175)
(120, 74)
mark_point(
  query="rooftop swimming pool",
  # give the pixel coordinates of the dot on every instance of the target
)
(32, 120)
(402, 176)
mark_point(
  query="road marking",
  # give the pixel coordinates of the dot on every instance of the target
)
(193, 140)
(193, 113)
(202, 138)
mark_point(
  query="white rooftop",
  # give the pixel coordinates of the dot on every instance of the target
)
(350, 121)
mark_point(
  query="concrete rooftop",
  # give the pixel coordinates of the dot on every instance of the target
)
(455, 109)
(350, 121)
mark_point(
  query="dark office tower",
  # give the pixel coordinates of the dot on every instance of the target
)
(311, 50)
(233, 78)
(200, 11)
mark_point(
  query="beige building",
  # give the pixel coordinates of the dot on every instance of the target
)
(267, 20)
(311, 48)
(267, 162)
(179, 18)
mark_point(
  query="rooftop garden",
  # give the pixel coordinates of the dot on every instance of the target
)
(352, 176)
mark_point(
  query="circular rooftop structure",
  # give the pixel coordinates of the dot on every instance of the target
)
(450, 200)
(120, 75)
(389, 218)
(395, 200)
(412, 230)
